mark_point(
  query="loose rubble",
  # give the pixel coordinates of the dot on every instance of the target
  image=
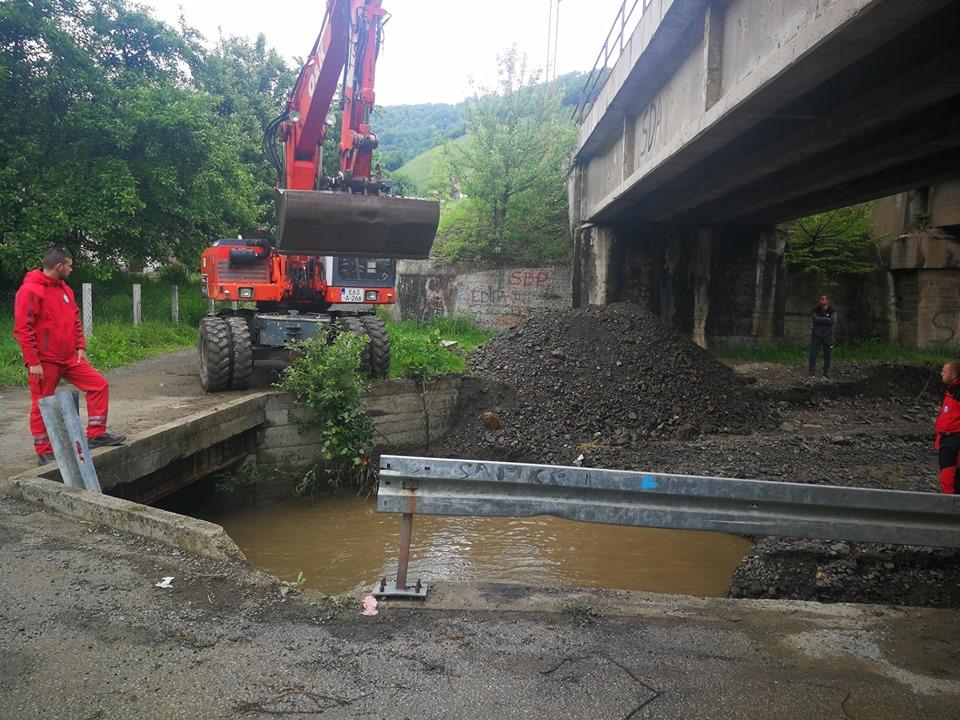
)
(599, 376)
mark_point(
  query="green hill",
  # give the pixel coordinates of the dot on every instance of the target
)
(420, 169)
(409, 132)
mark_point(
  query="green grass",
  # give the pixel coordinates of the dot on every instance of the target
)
(420, 168)
(113, 344)
(864, 352)
(115, 340)
(416, 348)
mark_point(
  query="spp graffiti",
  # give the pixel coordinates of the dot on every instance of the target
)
(526, 278)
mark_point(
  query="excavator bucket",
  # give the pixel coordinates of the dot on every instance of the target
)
(337, 223)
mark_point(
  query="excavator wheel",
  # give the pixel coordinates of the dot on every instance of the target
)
(352, 324)
(213, 348)
(242, 353)
(379, 345)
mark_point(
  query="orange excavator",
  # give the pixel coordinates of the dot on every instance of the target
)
(332, 261)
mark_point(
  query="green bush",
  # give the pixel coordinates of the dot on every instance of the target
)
(417, 352)
(327, 379)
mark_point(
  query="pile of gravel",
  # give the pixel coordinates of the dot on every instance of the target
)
(603, 376)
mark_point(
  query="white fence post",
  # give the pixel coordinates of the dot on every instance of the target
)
(175, 304)
(87, 309)
(137, 305)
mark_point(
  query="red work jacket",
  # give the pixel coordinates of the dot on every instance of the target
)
(948, 419)
(46, 320)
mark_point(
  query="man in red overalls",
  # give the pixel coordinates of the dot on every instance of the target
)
(48, 328)
(947, 428)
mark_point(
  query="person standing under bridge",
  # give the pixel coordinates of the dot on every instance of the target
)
(824, 322)
(947, 428)
(47, 326)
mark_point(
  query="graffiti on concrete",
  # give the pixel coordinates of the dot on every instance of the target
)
(495, 298)
(946, 322)
(529, 278)
(649, 127)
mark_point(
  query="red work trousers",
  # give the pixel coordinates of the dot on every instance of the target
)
(949, 460)
(80, 374)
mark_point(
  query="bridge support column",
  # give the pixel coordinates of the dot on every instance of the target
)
(712, 284)
(596, 272)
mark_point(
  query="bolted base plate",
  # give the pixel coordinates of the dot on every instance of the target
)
(390, 590)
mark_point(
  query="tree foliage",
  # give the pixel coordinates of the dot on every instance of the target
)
(123, 138)
(512, 172)
(834, 243)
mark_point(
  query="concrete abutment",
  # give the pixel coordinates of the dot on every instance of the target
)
(713, 284)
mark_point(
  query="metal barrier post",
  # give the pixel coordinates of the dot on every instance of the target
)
(60, 440)
(406, 534)
(399, 589)
(62, 421)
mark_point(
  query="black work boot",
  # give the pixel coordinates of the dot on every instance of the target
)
(45, 459)
(106, 440)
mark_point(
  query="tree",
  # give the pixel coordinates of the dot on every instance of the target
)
(512, 170)
(837, 242)
(106, 144)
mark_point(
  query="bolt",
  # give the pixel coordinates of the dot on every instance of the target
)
(383, 584)
(418, 585)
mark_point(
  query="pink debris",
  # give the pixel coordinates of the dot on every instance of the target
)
(369, 605)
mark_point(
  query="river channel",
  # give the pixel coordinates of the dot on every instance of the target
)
(341, 544)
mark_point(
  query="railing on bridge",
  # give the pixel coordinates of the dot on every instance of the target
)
(612, 47)
(433, 486)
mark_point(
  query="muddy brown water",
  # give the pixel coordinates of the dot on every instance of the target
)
(343, 545)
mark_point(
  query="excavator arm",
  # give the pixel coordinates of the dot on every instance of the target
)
(352, 213)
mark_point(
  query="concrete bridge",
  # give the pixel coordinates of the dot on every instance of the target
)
(721, 119)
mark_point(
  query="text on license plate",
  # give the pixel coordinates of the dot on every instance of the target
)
(351, 294)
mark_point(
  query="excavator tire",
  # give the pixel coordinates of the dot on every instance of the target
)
(379, 345)
(352, 324)
(215, 354)
(242, 353)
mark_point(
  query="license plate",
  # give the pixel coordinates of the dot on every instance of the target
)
(351, 294)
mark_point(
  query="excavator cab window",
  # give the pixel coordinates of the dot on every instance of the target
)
(372, 272)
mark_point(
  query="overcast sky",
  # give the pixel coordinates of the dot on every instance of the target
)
(433, 48)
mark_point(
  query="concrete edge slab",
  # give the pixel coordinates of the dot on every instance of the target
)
(502, 597)
(195, 536)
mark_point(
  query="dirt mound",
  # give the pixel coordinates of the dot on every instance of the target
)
(596, 377)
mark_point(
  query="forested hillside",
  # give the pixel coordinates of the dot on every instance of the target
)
(407, 131)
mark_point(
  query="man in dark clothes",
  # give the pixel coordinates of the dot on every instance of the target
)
(947, 428)
(824, 321)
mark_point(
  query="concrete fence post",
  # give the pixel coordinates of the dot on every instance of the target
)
(175, 304)
(137, 304)
(87, 309)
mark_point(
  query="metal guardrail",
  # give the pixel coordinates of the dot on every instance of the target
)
(432, 486)
(61, 417)
(610, 45)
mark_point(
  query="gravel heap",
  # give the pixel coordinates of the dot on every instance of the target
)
(605, 376)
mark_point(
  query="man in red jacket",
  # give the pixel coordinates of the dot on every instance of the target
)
(48, 328)
(947, 427)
